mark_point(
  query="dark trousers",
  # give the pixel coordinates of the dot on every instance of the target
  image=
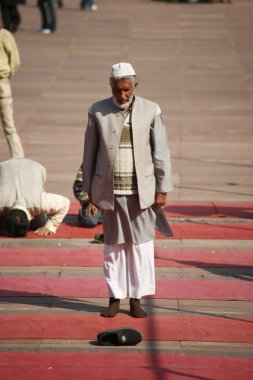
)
(10, 17)
(48, 14)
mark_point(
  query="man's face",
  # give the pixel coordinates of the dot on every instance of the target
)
(122, 90)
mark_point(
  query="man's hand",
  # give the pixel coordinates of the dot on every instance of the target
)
(90, 210)
(43, 231)
(94, 207)
(160, 199)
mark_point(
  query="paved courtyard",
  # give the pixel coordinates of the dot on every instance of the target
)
(196, 61)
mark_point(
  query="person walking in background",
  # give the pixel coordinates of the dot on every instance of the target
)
(9, 63)
(11, 17)
(24, 204)
(88, 5)
(59, 3)
(127, 173)
(48, 16)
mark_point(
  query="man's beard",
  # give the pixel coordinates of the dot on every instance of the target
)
(124, 106)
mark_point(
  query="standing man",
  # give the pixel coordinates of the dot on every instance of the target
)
(24, 204)
(9, 63)
(48, 16)
(127, 170)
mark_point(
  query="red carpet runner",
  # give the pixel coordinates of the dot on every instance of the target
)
(213, 275)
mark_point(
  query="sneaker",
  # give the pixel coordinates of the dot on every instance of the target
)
(91, 8)
(45, 31)
(99, 238)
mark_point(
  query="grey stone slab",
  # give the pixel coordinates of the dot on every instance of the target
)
(212, 348)
(237, 273)
(164, 307)
(236, 309)
(151, 347)
(203, 59)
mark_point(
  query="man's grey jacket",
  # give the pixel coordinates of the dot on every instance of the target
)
(150, 147)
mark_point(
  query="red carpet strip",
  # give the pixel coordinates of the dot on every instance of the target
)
(209, 210)
(181, 230)
(198, 209)
(80, 287)
(155, 328)
(93, 257)
(121, 366)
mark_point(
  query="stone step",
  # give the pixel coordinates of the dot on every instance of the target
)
(236, 309)
(182, 347)
(236, 273)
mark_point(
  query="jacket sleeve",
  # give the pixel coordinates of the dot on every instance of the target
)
(79, 194)
(13, 54)
(56, 207)
(161, 155)
(90, 152)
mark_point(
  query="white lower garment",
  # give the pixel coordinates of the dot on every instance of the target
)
(129, 269)
(6, 117)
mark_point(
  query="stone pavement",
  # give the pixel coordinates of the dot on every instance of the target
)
(196, 61)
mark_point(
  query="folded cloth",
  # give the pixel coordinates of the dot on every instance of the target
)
(161, 223)
(119, 337)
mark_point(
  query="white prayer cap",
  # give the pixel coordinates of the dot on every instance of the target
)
(122, 70)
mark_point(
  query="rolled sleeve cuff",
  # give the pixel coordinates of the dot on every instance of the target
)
(50, 226)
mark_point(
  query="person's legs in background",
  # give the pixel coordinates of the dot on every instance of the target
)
(48, 16)
(52, 12)
(15, 18)
(6, 19)
(42, 8)
(7, 120)
(59, 3)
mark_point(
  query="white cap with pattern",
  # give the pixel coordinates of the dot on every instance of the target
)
(122, 69)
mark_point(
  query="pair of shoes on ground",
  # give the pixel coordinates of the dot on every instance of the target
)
(114, 305)
(125, 336)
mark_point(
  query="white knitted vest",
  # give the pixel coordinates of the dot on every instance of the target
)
(125, 181)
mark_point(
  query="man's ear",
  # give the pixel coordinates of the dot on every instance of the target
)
(136, 84)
